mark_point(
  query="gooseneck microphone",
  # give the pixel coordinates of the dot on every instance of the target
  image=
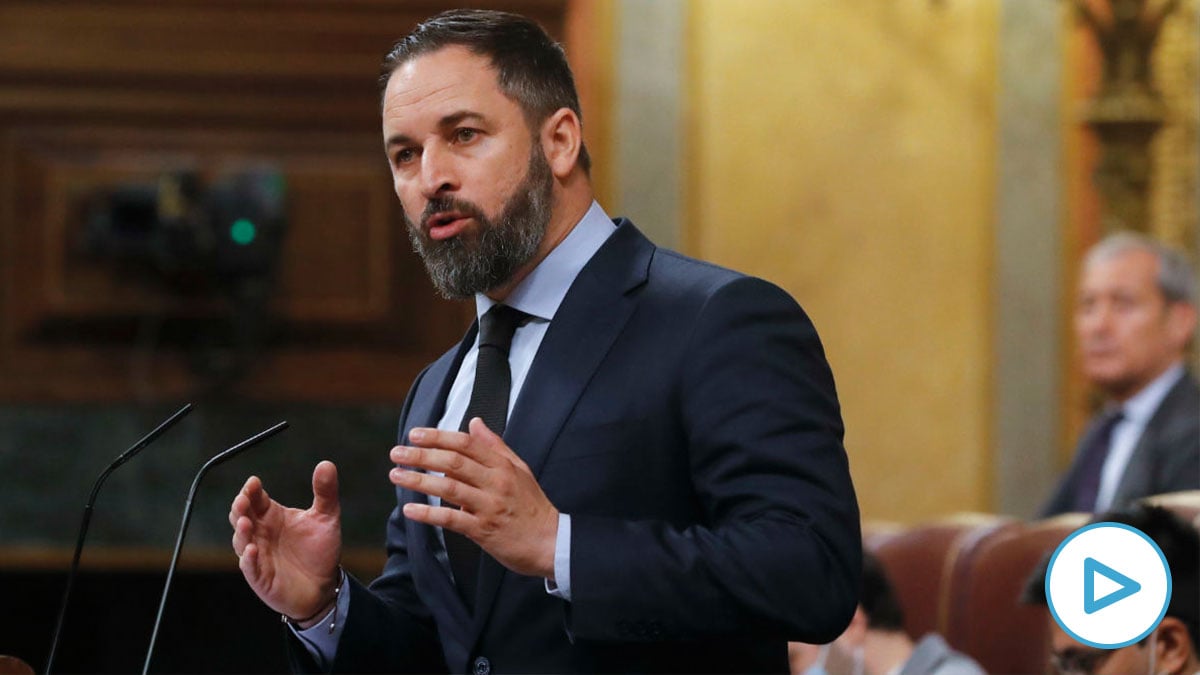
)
(187, 515)
(87, 519)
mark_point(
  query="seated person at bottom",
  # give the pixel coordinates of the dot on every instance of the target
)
(875, 642)
(1172, 647)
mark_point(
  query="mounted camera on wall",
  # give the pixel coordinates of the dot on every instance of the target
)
(213, 241)
(194, 236)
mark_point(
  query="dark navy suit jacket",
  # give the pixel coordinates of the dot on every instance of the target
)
(1165, 459)
(685, 417)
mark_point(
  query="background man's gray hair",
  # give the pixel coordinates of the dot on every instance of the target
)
(1175, 276)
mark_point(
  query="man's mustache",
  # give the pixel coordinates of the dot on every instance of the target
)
(444, 204)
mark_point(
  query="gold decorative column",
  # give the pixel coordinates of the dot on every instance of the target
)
(1128, 109)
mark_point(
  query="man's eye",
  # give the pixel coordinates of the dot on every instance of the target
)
(405, 156)
(464, 135)
(1124, 302)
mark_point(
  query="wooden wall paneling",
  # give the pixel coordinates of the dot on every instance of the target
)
(342, 294)
(340, 215)
(95, 95)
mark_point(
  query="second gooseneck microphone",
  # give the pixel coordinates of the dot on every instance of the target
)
(187, 514)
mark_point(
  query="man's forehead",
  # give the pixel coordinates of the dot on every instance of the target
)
(1134, 258)
(1134, 267)
(444, 70)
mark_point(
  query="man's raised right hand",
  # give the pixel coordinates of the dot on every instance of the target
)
(289, 556)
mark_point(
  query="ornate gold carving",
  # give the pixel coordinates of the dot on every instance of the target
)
(1128, 109)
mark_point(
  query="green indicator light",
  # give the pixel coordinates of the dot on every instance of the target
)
(243, 231)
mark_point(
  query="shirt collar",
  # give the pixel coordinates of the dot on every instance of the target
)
(1142, 405)
(542, 291)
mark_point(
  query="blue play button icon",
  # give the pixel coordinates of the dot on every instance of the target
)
(1093, 602)
(1093, 567)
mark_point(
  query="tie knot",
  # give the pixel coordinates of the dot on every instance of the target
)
(497, 326)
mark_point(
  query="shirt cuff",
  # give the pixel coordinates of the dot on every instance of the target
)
(561, 586)
(321, 639)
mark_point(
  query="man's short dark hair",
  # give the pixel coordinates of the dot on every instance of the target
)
(1180, 544)
(877, 598)
(531, 67)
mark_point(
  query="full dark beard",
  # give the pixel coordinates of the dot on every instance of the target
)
(467, 264)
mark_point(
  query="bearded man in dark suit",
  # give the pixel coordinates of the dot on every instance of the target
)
(664, 486)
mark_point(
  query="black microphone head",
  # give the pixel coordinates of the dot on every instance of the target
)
(139, 446)
(244, 445)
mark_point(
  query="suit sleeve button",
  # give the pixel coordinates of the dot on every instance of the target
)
(482, 666)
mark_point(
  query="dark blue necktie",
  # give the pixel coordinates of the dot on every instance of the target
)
(1091, 461)
(489, 401)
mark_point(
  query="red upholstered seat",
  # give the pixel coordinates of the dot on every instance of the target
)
(1185, 504)
(11, 665)
(986, 617)
(918, 559)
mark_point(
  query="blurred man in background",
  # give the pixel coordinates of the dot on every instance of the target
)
(1135, 316)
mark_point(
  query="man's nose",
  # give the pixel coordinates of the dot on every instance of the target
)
(438, 175)
(1097, 318)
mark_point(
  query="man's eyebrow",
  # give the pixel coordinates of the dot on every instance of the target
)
(447, 121)
(398, 139)
(460, 116)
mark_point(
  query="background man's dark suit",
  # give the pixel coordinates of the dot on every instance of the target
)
(1166, 458)
(685, 417)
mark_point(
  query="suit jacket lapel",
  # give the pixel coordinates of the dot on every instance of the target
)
(1138, 479)
(591, 316)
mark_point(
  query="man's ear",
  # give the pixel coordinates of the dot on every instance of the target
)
(1175, 650)
(1181, 323)
(562, 139)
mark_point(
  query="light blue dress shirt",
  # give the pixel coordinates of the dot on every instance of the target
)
(540, 294)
